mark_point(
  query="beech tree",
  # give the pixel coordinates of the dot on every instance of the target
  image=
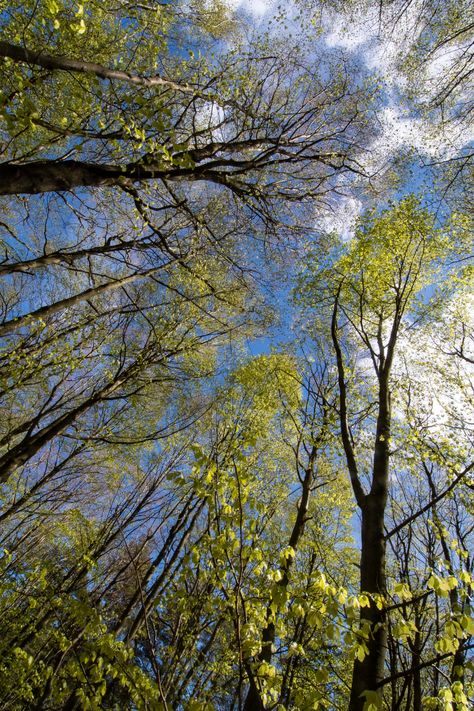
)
(184, 524)
(222, 121)
(257, 128)
(371, 291)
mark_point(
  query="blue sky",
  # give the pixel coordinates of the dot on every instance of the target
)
(402, 131)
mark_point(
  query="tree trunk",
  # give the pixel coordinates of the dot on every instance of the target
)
(47, 311)
(66, 64)
(369, 672)
(415, 665)
(19, 454)
(253, 700)
(49, 176)
(68, 258)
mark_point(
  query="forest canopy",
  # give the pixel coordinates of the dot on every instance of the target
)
(236, 355)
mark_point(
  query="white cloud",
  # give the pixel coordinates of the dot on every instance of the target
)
(359, 32)
(399, 130)
(349, 31)
(445, 62)
(442, 384)
(257, 8)
(342, 217)
(211, 116)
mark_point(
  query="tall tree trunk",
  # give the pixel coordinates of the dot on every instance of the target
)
(44, 176)
(417, 692)
(68, 258)
(457, 668)
(369, 672)
(253, 701)
(20, 453)
(47, 311)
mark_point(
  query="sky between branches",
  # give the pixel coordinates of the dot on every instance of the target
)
(400, 128)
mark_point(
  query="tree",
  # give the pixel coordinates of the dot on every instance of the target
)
(223, 124)
(177, 524)
(244, 124)
(371, 290)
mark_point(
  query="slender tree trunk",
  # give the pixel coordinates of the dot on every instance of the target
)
(47, 61)
(369, 672)
(155, 589)
(253, 701)
(173, 534)
(416, 661)
(70, 301)
(23, 499)
(68, 258)
(457, 668)
(31, 444)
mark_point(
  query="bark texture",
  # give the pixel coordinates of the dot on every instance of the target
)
(47, 61)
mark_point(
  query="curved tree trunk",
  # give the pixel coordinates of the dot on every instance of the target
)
(368, 673)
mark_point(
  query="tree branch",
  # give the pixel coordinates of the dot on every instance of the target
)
(346, 440)
(47, 61)
(431, 503)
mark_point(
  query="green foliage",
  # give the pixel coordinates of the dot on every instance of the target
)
(178, 523)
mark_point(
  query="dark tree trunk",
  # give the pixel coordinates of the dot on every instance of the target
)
(20, 453)
(368, 673)
(416, 661)
(49, 176)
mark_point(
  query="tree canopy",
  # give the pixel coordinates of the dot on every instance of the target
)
(236, 356)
